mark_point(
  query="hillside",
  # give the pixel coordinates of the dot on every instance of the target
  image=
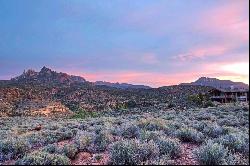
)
(75, 93)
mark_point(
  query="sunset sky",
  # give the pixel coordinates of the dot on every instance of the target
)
(151, 42)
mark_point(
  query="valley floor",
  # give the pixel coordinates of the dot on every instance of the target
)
(215, 135)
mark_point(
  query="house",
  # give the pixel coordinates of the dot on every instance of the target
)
(229, 95)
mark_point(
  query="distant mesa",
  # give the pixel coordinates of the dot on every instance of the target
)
(219, 84)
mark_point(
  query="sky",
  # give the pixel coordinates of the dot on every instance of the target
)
(150, 42)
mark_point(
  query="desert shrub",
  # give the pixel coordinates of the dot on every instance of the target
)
(10, 148)
(84, 141)
(204, 116)
(116, 131)
(148, 150)
(130, 131)
(196, 99)
(48, 137)
(52, 127)
(149, 135)
(213, 130)
(98, 157)
(190, 135)
(174, 125)
(124, 153)
(132, 152)
(171, 105)
(51, 149)
(170, 147)
(43, 158)
(200, 100)
(199, 126)
(228, 130)
(83, 126)
(229, 122)
(70, 150)
(235, 142)
(211, 153)
(208, 103)
(162, 160)
(169, 117)
(234, 159)
(35, 140)
(101, 141)
(130, 104)
(152, 124)
(67, 133)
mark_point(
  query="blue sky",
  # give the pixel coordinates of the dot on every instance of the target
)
(152, 42)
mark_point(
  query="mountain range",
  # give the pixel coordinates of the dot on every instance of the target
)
(47, 76)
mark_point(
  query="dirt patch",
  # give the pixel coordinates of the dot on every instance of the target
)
(187, 156)
(82, 158)
(62, 143)
(85, 158)
(9, 162)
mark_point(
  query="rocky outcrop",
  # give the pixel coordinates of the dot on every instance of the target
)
(35, 108)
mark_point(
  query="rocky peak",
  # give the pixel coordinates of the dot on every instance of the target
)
(47, 76)
(45, 70)
(29, 72)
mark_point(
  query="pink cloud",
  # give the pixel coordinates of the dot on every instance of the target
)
(202, 52)
(229, 19)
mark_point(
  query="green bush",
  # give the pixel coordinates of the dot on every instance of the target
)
(82, 114)
(196, 99)
(211, 153)
(169, 147)
(43, 158)
(200, 100)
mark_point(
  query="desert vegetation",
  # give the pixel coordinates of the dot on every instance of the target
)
(213, 135)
